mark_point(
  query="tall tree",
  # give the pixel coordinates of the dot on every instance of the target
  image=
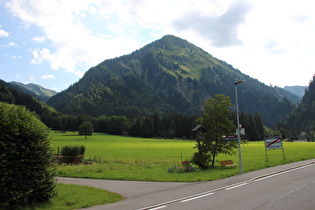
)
(259, 126)
(215, 119)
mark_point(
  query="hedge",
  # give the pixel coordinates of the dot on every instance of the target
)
(25, 173)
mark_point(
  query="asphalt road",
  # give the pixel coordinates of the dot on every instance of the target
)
(290, 186)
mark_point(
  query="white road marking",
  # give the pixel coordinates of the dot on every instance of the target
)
(193, 198)
(229, 187)
(280, 173)
(160, 207)
(235, 186)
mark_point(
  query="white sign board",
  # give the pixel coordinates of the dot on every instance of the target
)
(273, 143)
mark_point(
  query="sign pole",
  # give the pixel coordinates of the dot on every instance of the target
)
(266, 151)
(282, 150)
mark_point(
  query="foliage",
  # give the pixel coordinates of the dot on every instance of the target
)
(47, 114)
(201, 158)
(70, 154)
(86, 129)
(302, 119)
(155, 125)
(184, 167)
(25, 173)
(215, 120)
(253, 125)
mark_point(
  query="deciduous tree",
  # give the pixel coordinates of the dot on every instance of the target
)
(86, 129)
(215, 118)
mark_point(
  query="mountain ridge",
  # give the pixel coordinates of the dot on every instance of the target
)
(34, 90)
(297, 90)
(169, 75)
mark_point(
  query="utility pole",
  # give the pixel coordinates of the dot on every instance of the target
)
(238, 127)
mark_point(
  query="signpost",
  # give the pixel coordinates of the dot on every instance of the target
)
(230, 137)
(273, 143)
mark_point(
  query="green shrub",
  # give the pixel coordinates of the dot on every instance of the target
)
(201, 159)
(184, 167)
(69, 154)
(25, 173)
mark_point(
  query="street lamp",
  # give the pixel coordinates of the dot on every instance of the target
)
(238, 127)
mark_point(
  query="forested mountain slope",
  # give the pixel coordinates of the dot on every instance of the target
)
(12, 95)
(169, 75)
(302, 119)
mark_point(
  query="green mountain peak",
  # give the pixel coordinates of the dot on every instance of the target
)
(169, 75)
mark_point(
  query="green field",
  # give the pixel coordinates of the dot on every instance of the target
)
(129, 158)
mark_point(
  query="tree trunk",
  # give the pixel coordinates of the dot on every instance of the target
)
(213, 160)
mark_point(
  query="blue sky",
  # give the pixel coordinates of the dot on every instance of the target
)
(53, 42)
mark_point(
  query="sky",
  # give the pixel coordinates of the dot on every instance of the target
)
(54, 42)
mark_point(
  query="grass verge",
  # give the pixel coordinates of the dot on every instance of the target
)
(76, 197)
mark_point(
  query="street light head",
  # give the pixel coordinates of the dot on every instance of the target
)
(238, 82)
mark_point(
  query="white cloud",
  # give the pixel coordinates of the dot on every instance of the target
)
(62, 23)
(56, 60)
(40, 39)
(264, 39)
(48, 76)
(31, 77)
(17, 56)
(3, 33)
(40, 55)
(222, 29)
(11, 44)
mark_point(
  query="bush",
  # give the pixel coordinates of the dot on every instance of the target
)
(25, 173)
(201, 159)
(70, 154)
(183, 167)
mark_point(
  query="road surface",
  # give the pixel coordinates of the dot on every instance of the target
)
(290, 186)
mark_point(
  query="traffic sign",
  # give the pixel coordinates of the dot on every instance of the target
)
(230, 137)
(273, 143)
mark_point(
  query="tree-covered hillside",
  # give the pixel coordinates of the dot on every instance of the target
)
(302, 119)
(169, 75)
(161, 126)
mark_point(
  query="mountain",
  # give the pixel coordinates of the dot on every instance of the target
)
(34, 90)
(169, 75)
(12, 95)
(296, 90)
(302, 118)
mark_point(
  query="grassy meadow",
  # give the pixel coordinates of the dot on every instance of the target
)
(130, 158)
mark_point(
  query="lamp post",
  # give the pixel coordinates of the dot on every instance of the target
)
(238, 127)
